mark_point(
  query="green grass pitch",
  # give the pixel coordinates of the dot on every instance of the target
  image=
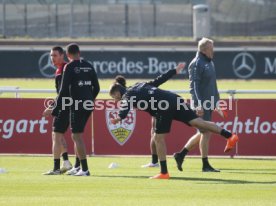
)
(171, 84)
(240, 182)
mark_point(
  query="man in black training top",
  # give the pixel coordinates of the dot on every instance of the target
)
(151, 96)
(79, 89)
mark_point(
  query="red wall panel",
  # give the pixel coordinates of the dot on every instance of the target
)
(24, 130)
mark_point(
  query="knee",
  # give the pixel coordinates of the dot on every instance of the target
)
(53, 136)
(198, 123)
(194, 123)
(56, 136)
(76, 137)
(152, 141)
(155, 138)
(63, 141)
(206, 135)
(158, 138)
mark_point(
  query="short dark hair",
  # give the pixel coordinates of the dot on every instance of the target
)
(59, 49)
(121, 80)
(116, 87)
(73, 49)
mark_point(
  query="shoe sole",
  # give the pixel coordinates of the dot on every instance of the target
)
(86, 175)
(210, 171)
(232, 146)
(149, 166)
(157, 178)
(72, 173)
(228, 150)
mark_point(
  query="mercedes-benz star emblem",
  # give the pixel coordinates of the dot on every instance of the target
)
(244, 65)
(46, 68)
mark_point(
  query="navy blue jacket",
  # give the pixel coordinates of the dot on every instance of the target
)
(202, 76)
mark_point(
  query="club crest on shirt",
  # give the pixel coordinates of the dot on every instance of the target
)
(77, 70)
(122, 131)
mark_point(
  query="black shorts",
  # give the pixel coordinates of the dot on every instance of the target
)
(163, 123)
(61, 121)
(164, 120)
(185, 114)
(207, 116)
(79, 119)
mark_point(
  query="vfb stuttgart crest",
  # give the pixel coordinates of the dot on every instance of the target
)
(121, 131)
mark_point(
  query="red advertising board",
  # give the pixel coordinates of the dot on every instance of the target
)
(24, 130)
(256, 125)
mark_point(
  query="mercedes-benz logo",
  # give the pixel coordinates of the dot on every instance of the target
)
(244, 65)
(46, 68)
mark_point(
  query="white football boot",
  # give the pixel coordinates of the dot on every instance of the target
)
(73, 171)
(66, 165)
(150, 165)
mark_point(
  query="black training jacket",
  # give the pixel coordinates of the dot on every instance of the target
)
(140, 94)
(79, 81)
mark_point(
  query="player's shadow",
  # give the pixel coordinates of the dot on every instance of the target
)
(250, 171)
(210, 180)
(226, 169)
(121, 176)
(221, 181)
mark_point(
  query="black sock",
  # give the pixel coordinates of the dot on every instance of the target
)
(154, 158)
(164, 169)
(205, 162)
(225, 133)
(184, 152)
(84, 165)
(77, 162)
(56, 164)
(65, 156)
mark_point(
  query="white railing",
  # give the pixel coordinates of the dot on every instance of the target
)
(17, 91)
